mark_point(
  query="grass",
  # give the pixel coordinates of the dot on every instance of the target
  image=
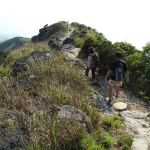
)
(58, 82)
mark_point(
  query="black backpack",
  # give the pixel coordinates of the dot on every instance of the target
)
(95, 60)
(119, 72)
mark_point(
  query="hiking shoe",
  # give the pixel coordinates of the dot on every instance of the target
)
(116, 96)
(109, 101)
(94, 80)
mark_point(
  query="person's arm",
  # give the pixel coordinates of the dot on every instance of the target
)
(127, 76)
(108, 73)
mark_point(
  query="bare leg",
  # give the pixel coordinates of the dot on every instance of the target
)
(87, 71)
(110, 91)
(117, 90)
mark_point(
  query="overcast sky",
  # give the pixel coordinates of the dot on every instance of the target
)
(118, 20)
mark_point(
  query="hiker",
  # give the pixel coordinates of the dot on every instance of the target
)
(115, 74)
(92, 63)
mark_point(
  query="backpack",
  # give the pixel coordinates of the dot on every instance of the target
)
(119, 72)
(95, 60)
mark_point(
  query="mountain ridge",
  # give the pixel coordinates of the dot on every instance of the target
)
(13, 43)
(48, 103)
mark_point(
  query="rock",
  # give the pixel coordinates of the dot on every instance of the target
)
(12, 135)
(65, 46)
(101, 103)
(135, 121)
(37, 55)
(139, 144)
(29, 79)
(71, 112)
(134, 114)
(120, 106)
(68, 40)
(22, 64)
(56, 46)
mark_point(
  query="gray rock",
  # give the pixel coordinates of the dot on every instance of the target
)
(29, 79)
(120, 106)
(22, 64)
(140, 129)
(40, 55)
(101, 103)
(71, 112)
(11, 135)
(139, 144)
(68, 40)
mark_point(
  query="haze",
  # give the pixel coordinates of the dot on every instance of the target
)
(118, 20)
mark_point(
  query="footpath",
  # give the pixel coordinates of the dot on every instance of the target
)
(135, 112)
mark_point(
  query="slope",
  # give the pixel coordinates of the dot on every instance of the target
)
(13, 43)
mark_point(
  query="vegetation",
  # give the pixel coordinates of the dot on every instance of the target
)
(13, 43)
(82, 33)
(58, 82)
(138, 61)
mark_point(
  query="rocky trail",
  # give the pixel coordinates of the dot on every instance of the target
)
(136, 113)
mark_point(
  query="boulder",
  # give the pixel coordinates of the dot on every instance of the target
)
(120, 106)
(12, 135)
(68, 40)
(76, 114)
(55, 46)
(22, 64)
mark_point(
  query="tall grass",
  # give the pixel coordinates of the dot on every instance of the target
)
(58, 81)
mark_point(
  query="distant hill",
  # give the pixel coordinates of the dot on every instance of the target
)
(13, 43)
(3, 40)
(5, 37)
(58, 30)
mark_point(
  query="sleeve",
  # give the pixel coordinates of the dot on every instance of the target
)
(112, 66)
(97, 55)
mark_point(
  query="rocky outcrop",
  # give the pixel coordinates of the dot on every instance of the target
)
(12, 136)
(138, 125)
(30, 79)
(23, 64)
(68, 40)
(55, 45)
(76, 114)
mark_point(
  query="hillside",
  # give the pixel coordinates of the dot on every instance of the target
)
(13, 43)
(46, 102)
(57, 31)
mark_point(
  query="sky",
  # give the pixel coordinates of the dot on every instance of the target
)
(118, 20)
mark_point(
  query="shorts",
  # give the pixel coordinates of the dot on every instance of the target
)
(113, 82)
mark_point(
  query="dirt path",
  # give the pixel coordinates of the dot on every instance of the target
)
(133, 103)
